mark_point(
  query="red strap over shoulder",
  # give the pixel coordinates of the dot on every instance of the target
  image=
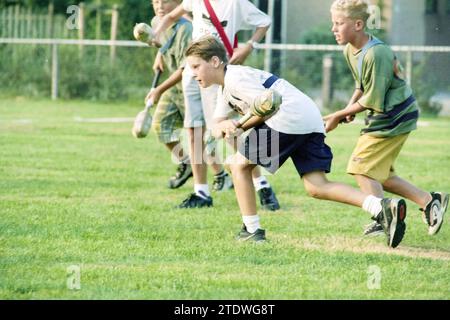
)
(219, 28)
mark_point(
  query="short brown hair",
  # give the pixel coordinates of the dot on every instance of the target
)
(207, 47)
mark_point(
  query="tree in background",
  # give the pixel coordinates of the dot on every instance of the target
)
(130, 13)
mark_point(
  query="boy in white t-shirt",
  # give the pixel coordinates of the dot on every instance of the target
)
(296, 131)
(234, 15)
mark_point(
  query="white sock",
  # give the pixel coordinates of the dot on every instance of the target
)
(202, 190)
(251, 223)
(260, 183)
(372, 205)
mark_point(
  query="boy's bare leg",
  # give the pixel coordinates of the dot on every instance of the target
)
(406, 190)
(199, 168)
(256, 173)
(318, 186)
(369, 185)
(267, 197)
(176, 150)
(242, 178)
(214, 162)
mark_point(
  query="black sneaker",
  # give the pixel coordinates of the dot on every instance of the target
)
(392, 218)
(257, 236)
(222, 182)
(195, 201)
(433, 215)
(373, 229)
(184, 172)
(268, 200)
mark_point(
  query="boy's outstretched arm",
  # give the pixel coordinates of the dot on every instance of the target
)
(156, 93)
(345, 115)
(166, 22)
(158, 64)
(240, 54)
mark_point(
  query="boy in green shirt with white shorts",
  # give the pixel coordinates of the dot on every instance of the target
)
(169, 114)
(392, 113)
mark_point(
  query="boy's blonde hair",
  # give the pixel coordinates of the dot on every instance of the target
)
(177, 1)
(353, 9)
(207, 47)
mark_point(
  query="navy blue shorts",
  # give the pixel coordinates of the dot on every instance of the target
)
(269, 149)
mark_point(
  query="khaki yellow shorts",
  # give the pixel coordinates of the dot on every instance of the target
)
(168, 117)
(374, 157)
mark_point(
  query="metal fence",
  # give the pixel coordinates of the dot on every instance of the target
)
(55, 43)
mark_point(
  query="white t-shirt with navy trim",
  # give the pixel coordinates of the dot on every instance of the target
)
(234, 15)
(298, 114)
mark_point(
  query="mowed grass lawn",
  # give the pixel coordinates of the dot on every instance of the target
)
(90, 195)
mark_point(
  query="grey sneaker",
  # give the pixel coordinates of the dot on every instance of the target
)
(433, 214)
(392, 218)
(184, 172)
(222, 182)
(268, 199)
(373, 229)
(258, 236)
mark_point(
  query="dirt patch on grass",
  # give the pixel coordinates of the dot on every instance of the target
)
(361, 245)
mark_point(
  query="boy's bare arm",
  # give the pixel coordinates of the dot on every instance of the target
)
(163, 87)
(240, 54)
(345, 115)
(167, 21)
(158, 64)
(253, 122)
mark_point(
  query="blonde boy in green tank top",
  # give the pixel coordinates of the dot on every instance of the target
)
(392, 113)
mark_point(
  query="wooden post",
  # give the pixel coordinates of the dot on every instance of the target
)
(98, 28)
(29, 23)
(16, 21)
(327, 87)
(81, 25)
(10, 22)
(19, 22)
(51, 9)
(409, 63)
(65, 31)
(55, 73)
(114, 23)
(269, 37)
(3, 23)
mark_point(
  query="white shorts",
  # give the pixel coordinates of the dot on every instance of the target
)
(199, 102)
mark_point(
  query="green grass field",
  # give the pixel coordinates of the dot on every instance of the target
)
(90, 195)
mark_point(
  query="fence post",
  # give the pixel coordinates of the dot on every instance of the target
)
(81, 26)
(55, 73)
(29, 21)
(3, 25)
(10, 21)
(98, 28)
(16, 21)
(51, 9)
(409, 62)
(114, 23)
(269, 37)
(327, 87)
(19, 22)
